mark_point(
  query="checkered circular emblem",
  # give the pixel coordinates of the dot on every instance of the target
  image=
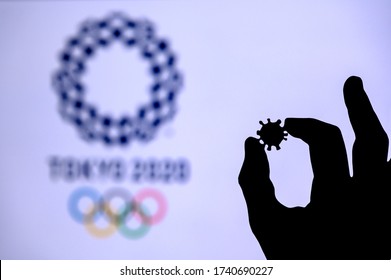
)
(167, 80)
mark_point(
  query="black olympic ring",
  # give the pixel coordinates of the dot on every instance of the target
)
(167, 80)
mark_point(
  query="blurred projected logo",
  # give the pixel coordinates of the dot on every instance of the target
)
(94, 35)
(132, 210)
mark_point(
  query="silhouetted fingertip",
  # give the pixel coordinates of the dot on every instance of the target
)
(356, 100)
(288, 123)
(251, 140)
(252, 143)
(353, 84)
(253, 148)
(296, 126)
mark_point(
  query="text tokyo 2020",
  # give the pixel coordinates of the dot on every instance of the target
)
(136, 170)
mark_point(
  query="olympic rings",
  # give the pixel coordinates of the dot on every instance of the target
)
(132, 207)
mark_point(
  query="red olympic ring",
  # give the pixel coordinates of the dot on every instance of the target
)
(159, 198)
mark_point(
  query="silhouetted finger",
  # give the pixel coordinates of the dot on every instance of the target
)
(255, 182)
(371, 145)
(327, 153)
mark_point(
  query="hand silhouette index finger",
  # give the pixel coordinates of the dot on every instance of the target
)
(328, 156)
(371, 145)
(254, 179)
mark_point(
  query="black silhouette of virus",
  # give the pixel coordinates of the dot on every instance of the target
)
(272, 134)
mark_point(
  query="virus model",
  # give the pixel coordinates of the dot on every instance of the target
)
(272, 134)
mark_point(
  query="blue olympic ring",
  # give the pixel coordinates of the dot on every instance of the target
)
(166, 80)
(75, 198)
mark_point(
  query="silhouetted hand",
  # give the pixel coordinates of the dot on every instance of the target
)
(347, 217)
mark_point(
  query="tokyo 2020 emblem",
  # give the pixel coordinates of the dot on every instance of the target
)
(167, 80)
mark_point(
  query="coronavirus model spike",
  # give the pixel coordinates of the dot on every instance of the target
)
(272, 134)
